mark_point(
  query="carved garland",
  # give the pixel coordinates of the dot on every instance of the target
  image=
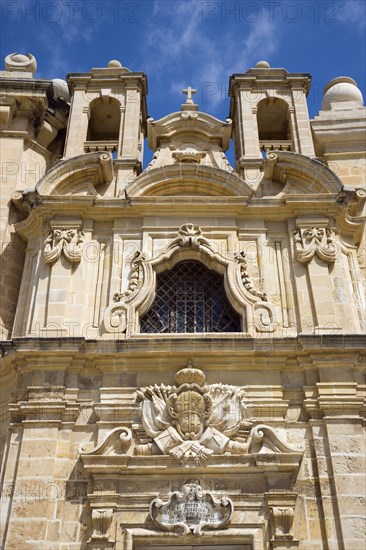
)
(135, 280)
(313, 241)
(63, 241)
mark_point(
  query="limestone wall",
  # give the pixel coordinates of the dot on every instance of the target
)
(66, 406)
(273, 414)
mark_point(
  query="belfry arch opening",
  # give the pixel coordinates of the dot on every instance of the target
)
(190, 298)
(274, 125)
(104, 120)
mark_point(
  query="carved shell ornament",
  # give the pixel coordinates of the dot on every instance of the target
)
(315, 241)
(63, 241)
(189, 154)
(190, 234)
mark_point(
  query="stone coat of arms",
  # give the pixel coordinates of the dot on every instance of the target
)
(193, 420)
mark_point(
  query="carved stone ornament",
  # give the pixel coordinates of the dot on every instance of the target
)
(154, 159)
(281, 507)
(186, 115)
(241, 259)
(313, 241)
(21, 62)
(135, 279)
(192, 421)
(63, 241)
(190, 234)
(189, 155)
(101, 521)
(123, 314)
(191, 510)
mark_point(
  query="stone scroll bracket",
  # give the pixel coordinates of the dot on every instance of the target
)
(281, 509)
(352, 221)
(101, 537)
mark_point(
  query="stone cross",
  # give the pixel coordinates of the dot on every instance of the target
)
(189, 92)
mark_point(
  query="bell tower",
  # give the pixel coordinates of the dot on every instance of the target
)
(108, 113)
(269, 112)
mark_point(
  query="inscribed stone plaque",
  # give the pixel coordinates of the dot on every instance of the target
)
(191, 510)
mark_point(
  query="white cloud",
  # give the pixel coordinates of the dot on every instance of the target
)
(180, 40)
(352, 13)
(64, 26)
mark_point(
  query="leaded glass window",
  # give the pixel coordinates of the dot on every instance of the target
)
(190, 298)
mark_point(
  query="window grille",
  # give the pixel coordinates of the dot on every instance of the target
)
(190, 298)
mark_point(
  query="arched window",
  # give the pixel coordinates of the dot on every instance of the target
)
(274, 126)
(104, 122)
(190, 298)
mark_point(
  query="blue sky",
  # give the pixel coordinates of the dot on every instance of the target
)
(197, 43)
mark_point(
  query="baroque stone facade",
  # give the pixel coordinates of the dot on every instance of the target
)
(182, 345)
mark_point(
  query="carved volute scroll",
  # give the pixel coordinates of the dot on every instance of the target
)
(101, 521)
(281, 506)
(123, 315)
(191, 510)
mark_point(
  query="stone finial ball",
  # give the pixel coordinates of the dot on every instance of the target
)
(60, 89)
(114, 64)
(340, 90)
(21, 62)
(262, 65)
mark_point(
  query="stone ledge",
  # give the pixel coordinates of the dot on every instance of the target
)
(239, 343)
